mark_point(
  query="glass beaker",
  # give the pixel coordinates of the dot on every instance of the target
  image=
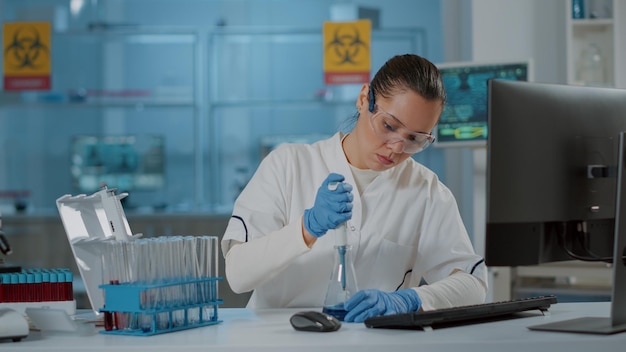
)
(342, 284)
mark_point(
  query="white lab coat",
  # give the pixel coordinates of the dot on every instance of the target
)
(405, 226)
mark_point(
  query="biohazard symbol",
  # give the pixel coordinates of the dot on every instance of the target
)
(26, 49)
(346, 44)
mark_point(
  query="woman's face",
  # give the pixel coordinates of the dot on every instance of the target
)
(367, 149)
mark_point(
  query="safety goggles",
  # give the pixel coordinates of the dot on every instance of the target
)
(391, 130)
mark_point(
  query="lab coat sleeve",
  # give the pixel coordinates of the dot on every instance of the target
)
(265, 233)
(458, 289)
(445, 246)
(250, 264)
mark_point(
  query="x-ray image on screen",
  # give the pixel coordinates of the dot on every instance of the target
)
(464, 118)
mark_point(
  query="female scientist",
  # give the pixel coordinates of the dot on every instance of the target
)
(403, 224)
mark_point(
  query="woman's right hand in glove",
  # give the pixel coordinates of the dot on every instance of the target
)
(333, 206)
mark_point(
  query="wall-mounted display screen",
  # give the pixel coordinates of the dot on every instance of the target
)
(464, 118)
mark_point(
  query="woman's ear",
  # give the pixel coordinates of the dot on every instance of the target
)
(362, 101)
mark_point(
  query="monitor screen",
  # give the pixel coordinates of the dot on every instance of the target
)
(552, 156)
(464, 118)
(128, 163)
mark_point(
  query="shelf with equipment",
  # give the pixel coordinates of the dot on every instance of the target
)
(595, 49)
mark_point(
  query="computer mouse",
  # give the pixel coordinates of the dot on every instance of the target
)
(13, 325)
(314, 321)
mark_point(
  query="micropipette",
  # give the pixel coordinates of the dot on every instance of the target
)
(342, 236)
(341, 241)
(115, 213)
(342, 283)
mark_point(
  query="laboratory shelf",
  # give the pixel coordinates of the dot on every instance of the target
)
(135, 104)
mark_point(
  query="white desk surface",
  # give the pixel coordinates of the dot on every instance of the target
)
(269, 330)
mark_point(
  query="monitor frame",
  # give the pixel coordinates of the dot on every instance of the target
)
(616, 321)
(557, 120)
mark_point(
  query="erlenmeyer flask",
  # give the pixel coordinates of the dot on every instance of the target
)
(342, 284)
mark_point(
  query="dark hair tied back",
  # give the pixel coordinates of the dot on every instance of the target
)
(404, 72)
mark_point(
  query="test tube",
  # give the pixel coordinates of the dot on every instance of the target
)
(30, 287)
(124, 319)
(176, 274)
(11, 289)
(131, 267)
(210, 273)
(104, 258)
(203, 266)
(192, 273)
(144, 277)
(38, 286)
(206, 266)
(22, 288)
(214, 267)
(46, 288)
(54, 286)
(3, 285)
(164, 263)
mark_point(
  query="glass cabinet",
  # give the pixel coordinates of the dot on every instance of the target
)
(123, 108)
(179, 118)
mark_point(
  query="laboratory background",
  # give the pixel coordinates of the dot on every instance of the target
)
(190, 95)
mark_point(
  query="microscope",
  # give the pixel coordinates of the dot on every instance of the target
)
(13, 325)
(5, 249)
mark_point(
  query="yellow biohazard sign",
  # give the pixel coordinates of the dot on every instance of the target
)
(26, 55)
(347, 49)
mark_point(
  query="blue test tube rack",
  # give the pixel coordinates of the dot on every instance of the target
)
(129, 298)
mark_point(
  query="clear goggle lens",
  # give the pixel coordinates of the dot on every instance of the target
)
(390, 130)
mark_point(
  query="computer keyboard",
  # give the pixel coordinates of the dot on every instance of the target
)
(472, 314)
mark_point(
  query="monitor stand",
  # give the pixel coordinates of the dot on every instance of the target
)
(617, 321)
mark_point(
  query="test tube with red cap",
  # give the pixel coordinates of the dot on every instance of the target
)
(46, 292)
(5, 282)
(30, 287)
(69, 285)
(38, 285)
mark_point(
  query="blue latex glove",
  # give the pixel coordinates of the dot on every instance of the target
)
(331, 208)
(370, 303)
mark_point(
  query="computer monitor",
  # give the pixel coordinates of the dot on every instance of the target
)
(464, 119)
(556, 181)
